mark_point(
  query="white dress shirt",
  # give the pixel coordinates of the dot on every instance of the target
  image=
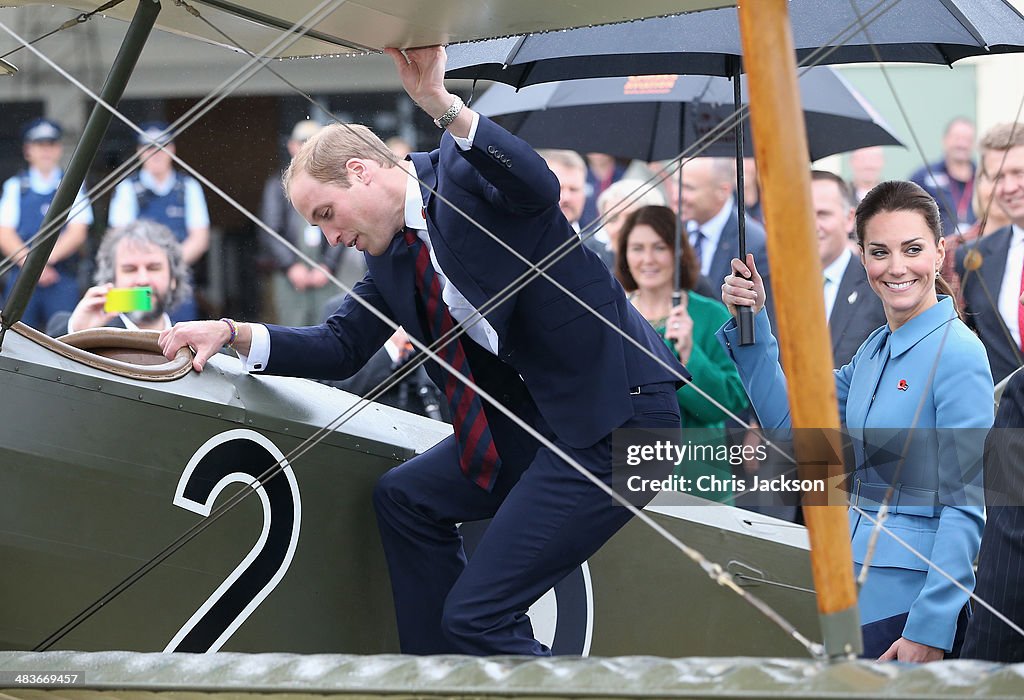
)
(833, 278)
(712, 230)
(1009, 292)
(130, 324)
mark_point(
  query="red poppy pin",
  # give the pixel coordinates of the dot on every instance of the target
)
(903, 386)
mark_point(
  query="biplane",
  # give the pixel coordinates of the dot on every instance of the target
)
(154, 509)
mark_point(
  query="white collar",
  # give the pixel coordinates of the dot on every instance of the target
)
(44, 184)
(712, 228)
(414, 209)
(837, 268)
(130, 325)
(158, 188)
(1016, 235)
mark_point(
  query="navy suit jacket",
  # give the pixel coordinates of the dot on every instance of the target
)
(856, 314)
(729, 248)
(980, 291)
(1001, 560)
(577, 369)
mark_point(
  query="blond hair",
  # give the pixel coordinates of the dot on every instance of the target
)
(635, 191)
(325, 154)
(567, 159)
(1003, 137)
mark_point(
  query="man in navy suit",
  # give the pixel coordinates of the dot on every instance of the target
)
(991, 267)
(853, 310)
(567, 353)
(1001, 559)
(709, 210)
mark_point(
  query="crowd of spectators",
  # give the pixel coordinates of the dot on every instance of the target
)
(669, 238)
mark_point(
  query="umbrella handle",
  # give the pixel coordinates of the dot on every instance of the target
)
(745, 322)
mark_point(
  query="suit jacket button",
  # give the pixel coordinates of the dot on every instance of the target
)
(490, 149)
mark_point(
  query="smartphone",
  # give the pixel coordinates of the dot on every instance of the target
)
(126, 299)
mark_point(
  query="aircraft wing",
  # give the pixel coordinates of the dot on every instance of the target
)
(357, 26)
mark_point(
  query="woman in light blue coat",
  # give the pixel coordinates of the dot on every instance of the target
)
(919, 384)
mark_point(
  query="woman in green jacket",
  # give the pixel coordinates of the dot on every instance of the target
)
(644, 266)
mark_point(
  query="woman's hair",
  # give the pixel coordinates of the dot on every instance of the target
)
(902, 195)
(631, 189)
(145, 232)
(663, 221)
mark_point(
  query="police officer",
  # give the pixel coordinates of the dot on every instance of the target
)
(158, 193)
(23, 204)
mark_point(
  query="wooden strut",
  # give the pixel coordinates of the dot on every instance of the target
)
(780, 142)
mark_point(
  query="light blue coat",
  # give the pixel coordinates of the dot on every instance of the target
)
(931, 374)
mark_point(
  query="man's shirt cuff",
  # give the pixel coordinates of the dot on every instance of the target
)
(394, 352)
(259, 349)
(465, 144)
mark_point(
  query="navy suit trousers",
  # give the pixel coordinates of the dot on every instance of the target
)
(547, 520)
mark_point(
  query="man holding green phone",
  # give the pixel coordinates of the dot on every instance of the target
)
(140, 277)
(128, 299)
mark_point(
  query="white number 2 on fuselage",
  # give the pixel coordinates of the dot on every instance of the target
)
(239, 456)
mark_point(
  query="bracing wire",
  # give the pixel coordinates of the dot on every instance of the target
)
(713, 570)
(426, 354)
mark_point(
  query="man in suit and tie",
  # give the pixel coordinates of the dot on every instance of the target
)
(537, 353)
(852, 308)
(571, 171)
(1001, 559)
(990, 268)
(712, 222)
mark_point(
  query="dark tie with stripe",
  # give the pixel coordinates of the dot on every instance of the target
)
(478, 457)
(698, 245)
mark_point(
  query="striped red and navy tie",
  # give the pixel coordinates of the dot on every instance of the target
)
(478, 457)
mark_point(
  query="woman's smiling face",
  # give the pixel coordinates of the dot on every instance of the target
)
(901, 258)
(649, 258)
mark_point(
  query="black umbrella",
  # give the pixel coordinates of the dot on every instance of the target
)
(708, 43)
(656, 117)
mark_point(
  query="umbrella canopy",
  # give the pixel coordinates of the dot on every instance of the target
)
(708, 43)
(655, 117)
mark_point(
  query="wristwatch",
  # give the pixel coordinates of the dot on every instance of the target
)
(445, 120)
